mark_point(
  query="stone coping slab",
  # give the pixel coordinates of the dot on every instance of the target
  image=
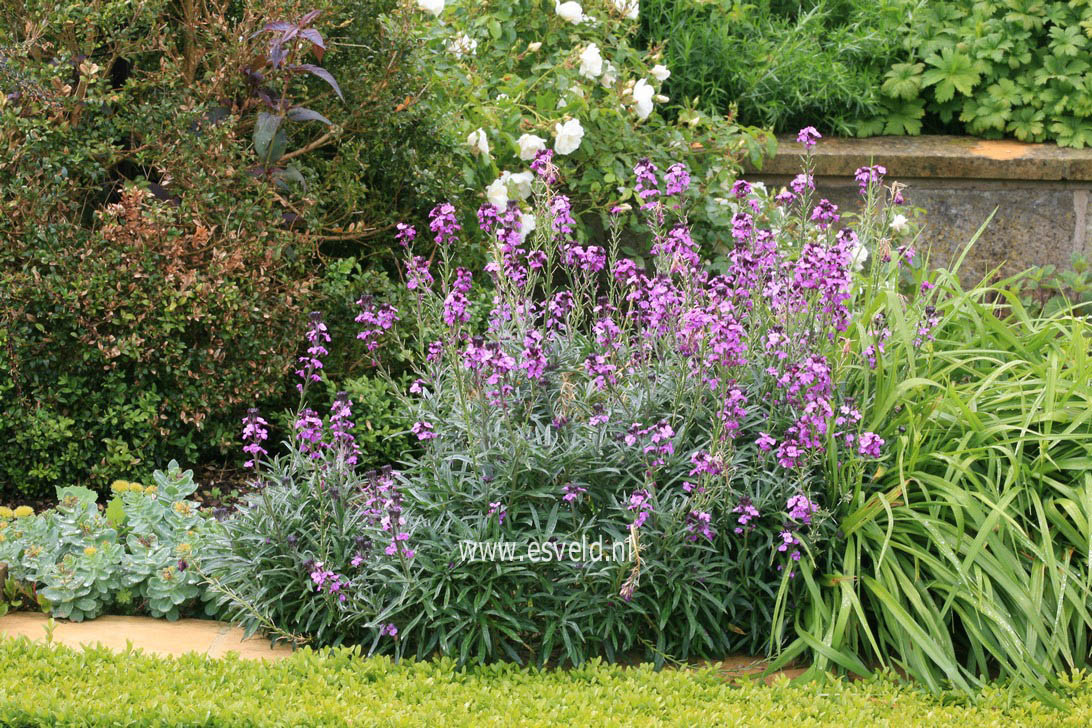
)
(935, 157)
(153, 636)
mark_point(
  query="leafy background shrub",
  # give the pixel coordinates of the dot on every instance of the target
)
(991, 69)
(156, 276)
(515, 69)
(781, 65)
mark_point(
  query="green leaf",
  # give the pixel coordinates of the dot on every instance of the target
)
(264, 130)
(905, 118)
(115, 512)
(903, 81)
(951, 72)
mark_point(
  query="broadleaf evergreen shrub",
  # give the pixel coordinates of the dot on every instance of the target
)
(153, 271)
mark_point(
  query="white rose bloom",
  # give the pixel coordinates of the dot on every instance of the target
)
(526, 225)
(478, 142)
(642, 98)
(567, 136)
(520, 184)
(529, 146)
(898, 222)
(661, 99)
(628, 8)
(610, 75)
(660, 72)
(435, 7)
(591, 62)
(533, 47)
(569, 11)
(497, 191)
(463, 45)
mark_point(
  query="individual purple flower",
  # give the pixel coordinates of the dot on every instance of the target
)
(703, 462)
(375, 320)
(488, 217)
(455, 308)
(677, 179)
(321, 575)
(784, 197)
(561, 217)
(699, 523)
(765, 442)
(647, 185)
(309, 433)
(788, 538)
(254, 434)
(533, 358)
(423, 430)
(572, 492)
(640, 501)
(929, 322)
(443, 223)
(800, 508)
(406, 234)
(311, 365)
(500, 511)
(601, 370)
(543, 166)
(536, 259)
(825, 214)
(435, 349)
(869, 444)
(747, 512)
(357, 560)
(808, 136)
(341, 428)
(417, 273)
(388, 630)
(741, 189)
(866, 176)
(802, 182)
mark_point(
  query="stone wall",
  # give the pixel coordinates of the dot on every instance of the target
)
(1041, 193)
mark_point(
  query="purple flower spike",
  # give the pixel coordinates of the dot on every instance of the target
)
(254, 434)
(443, 223)
(808, 136)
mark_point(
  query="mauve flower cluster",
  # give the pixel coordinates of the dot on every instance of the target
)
(382, 503)
(328, 581)
(254, 434)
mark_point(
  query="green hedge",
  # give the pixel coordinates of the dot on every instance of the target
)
(52, 685)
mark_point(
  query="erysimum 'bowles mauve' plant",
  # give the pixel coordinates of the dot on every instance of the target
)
(682, 419)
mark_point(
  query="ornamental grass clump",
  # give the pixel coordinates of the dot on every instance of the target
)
(626, 458)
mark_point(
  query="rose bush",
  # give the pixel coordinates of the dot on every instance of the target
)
(520, 76)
